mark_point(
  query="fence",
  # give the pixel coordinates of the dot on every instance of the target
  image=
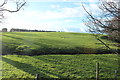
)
(38, 76)
(97, 73)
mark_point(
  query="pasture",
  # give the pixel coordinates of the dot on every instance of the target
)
(37, 43)
(56, 55)
(62, 67)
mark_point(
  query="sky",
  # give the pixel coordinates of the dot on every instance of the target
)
(53, 15)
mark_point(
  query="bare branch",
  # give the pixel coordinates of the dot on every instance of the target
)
(109, 22)
(5, 2)
(95, 20)
(19, 5)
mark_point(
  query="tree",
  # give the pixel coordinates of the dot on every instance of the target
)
(113, 30)
(4, 30)
(19, 4)
(107, 22)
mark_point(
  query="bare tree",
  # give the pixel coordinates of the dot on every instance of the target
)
(19, 4)
(107, 22)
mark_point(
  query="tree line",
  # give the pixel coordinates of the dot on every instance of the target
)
(24, 30)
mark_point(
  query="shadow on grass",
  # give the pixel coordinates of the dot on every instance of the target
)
(105, 37)
(9, 48)
(47, 49)
(50, 50)
(71, 51)
(31, 69)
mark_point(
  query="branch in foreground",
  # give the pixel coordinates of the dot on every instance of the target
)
(18, 8)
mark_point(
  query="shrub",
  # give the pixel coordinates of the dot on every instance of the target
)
(23, 50)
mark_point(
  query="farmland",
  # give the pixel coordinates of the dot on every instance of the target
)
(59, 66)
(58, 55)
(53, 43)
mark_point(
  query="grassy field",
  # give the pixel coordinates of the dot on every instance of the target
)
(52, 43)
(59, 66)
(61, 55)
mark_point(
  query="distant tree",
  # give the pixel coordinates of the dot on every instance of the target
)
(19, 4)
(4, 30)
(107, 22)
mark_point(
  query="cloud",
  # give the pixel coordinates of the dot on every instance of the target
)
(70, 12)
(29, 22)
(92, 1)
(70, 0)
(91, 7)
(55, 6)
(46, 20)
(66, 25)
(82, 26)
(80, 0)
(68, 21)
(62, 13)
(53, 0)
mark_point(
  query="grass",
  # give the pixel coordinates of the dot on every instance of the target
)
(59, 66)
(52, 43)
(57, 55)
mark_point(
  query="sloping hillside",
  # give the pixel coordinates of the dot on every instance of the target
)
(35, 43)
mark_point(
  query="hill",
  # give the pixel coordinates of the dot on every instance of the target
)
(36, 43)
(82, 65)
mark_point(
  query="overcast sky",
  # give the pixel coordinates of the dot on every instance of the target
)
(58, 15)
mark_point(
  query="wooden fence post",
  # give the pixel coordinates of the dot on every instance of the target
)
(37, 75)
(97, 71)
(115, 76)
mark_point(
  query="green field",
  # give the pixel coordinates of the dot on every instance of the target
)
(60, 55)
(36, 43)
(60, 66)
